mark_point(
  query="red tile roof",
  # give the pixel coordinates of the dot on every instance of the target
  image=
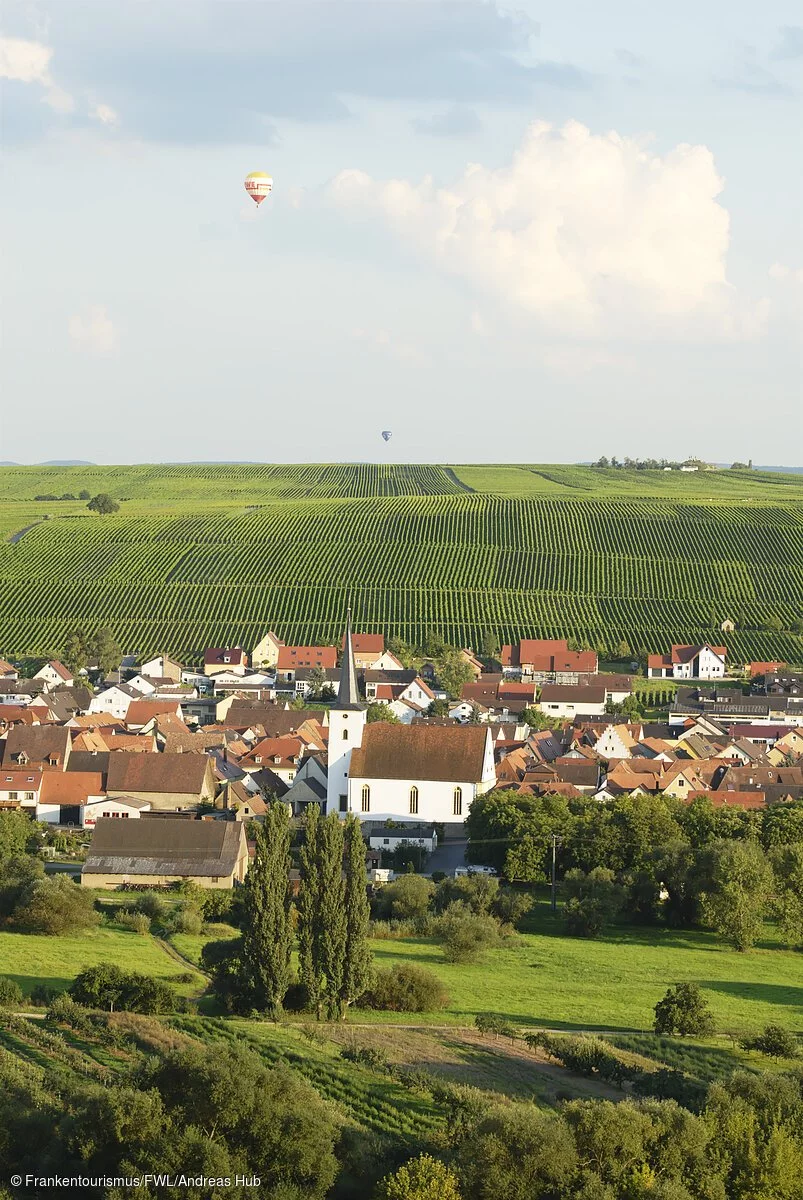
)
(291, 657)
(731, 799)
(223, 656)
(70, 787)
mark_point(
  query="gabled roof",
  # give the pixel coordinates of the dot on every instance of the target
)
(39, 744)
(223, 656)
(22, 779)
(63, 672)
(366, 643)
(180, 774)
(140, 712)
(291, 657)
(562, 693)
(165, 846)
(419, 753)
(70, 787)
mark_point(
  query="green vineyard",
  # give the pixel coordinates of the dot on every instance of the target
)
(212, 554)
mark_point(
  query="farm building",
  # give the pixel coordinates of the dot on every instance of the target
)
(158, 852)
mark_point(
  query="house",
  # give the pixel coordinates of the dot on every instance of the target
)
(162, 667)
(405, 692)
(225, 658)
(566, 700)
(547, 660)
(8, 670)
(158, 852)
(368, 649)
(310, 679)
(54, 673)
(292, 657)
(46, 747)
(114, 700)
(18, 714)
(309, 785)
(471, 661)
(788, 749)
(759, 669)
(168, 781)
(266, 651)
(688, 662)
(615, 741)
(63, 703)
(64, 796)
(143, 714)
(389, 838)
(241, 804)
(20, 691)
(19, 788)
(280, 755)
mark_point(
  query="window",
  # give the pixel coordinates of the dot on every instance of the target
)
(30, 795)
(413, 800)
(13, 795)
(345, 735)
(344, 803)
(365, 798)
(385, 841)
(457, 805)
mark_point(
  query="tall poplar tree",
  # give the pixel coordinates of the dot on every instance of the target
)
(309, 906)
(357, 958)
(267, 940)
(333, 911)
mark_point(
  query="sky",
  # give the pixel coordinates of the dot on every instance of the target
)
(536, 232)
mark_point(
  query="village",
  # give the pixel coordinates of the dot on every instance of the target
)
(193, 756)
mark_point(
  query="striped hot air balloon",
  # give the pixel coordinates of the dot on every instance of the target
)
(258, 185)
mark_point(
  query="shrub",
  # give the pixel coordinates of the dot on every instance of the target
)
(108, 986)
(43, 995)
(684, 1011)
(137, 921)
(150, 904)
(66, 1011)
(466, 934)
(511, 906)
(477, 892)
(774, 1041)
(406, 898)
(10, 993)
(405, 987)
(594, 899)
(186, 918)
(368, 1056)
(423, 1178)
(55, 905)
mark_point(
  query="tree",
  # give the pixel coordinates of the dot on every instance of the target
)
(405, 987)
(15, 833)
(267, 931)
(103, 503)
(105, 650)
(453, 672)
(333, 911)
(490, 644)
(740, 886)
(533, 717)
(76, 650)
(684, 1011)
(357, 957)
(774, 1041)
(422, 1178)
(83, 494)
(310, 914)
(787, 864)
(10, 993)
(318, 682)
(594, 899)
(517, 1152)
(380, 712)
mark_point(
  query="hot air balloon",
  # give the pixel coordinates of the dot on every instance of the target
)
(387, 434)
(258, 185)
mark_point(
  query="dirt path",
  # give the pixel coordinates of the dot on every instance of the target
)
(20, 534)
(173, 953)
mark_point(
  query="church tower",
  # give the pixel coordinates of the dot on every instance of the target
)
(347, 718)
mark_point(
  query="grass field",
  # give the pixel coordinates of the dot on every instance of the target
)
(547, 979)
(212, 554)
(55, 961)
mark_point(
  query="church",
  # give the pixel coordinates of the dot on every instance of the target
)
(415, 773)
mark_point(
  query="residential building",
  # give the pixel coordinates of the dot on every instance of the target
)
(54, 674)
(290, 658)
(46, 747)
(225, 658)
(162, 666)
(564, 700)
(169, 781)
(688, 662)
(19, 788)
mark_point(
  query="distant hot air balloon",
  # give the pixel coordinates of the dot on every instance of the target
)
(258, 185)
(387, 434)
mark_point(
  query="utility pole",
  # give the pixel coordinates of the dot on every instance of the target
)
(556, 841)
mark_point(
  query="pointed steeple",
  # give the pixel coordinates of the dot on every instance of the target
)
(348, 694)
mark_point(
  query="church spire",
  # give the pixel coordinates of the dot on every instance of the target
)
(348, 695)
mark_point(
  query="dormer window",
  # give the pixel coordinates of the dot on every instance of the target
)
(257, 758)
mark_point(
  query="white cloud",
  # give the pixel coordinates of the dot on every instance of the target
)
(94, 331)
(105, 114)
(589, 234)
(782, 271)
(29, 62)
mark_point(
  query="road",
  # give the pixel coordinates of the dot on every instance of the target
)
(450, 854)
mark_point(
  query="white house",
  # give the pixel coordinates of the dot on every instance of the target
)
(688, 662)
(65, 795)
(114, 700)
(425, 836)
(162, 667)
(55, 674)
(615, 741)
(142, 685)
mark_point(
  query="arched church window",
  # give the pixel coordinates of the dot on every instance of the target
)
(457, 806)
(365, 798)
(414, 800)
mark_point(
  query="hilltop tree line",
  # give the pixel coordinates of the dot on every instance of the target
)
(655, 858)
(103, 503)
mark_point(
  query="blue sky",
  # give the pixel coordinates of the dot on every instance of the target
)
(530, 233)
